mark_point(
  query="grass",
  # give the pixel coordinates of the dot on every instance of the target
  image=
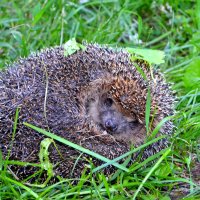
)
(171, 26)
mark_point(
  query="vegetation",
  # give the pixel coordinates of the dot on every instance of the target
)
(171, 26)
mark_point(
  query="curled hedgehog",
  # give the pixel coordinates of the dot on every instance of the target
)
(95, 98)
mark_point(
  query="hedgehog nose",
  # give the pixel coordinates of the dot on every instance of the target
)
(110, 125)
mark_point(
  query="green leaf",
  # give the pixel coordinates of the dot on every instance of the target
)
(149, 55)
(163, 171)
(191, 77)
(72, 46)
(44, 155)
(44, 160)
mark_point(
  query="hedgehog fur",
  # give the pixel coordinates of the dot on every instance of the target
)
(53, 91)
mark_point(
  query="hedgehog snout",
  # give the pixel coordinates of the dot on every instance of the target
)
(111, 125)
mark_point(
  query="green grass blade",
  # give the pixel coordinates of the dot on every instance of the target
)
(75, 146)
(128, 153)
(151, 171)
(21, 185)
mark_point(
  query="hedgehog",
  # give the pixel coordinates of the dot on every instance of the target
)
(94, 97)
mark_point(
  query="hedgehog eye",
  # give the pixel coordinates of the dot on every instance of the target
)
(92, 100)
(133, 124)
(108, 102)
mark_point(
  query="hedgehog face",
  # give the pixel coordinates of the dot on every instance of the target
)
(106, 113)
